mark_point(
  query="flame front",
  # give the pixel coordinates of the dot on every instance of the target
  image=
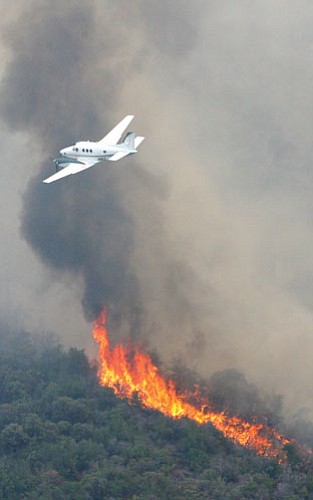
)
(129, 371)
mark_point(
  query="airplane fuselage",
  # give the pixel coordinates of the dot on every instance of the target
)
(93, 150)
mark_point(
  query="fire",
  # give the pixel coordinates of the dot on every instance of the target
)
(129, 371)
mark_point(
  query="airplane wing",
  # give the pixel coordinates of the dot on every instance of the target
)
(118, 156)
(72, 168)
(114, 136)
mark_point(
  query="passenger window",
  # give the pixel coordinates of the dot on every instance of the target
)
(83, 150)
(104, 152)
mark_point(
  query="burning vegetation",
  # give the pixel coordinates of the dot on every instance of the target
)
(129, 371)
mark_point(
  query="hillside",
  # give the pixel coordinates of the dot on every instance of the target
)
(62, 436)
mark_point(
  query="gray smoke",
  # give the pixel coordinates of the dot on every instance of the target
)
(83, 226)
(202, 243)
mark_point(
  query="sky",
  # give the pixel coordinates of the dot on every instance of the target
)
(200, 245)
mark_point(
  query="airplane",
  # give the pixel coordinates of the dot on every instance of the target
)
(85, 154)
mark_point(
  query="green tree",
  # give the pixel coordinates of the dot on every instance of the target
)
(13, 437)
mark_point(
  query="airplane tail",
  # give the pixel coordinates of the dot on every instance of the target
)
(129, 140)
(132, 141)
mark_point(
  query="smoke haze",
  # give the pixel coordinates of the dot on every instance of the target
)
(202, 243)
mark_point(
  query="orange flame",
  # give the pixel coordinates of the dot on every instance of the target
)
(128, 371)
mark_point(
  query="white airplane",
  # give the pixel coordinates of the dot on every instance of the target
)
(85, 154)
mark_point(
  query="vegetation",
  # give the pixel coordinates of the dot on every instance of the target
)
(62, 436)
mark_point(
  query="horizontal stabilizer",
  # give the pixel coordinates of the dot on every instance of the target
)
(138, 141)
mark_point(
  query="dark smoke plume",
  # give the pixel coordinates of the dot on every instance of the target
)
(78, 226)
(81, 226)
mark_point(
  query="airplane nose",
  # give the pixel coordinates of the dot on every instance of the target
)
(62, 151)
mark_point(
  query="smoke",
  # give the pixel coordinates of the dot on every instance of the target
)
(47, 91)
(81, 227)
(201, 243)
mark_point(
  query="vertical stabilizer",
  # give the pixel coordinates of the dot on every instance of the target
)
(129, 140)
